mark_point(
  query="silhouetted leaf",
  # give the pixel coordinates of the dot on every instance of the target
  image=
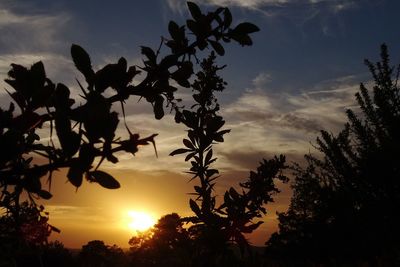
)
(190, 155)
(211, 172)
(75, 175)
(183, 73)
(246, 28)
(158, 108)
(192, 25)
(194, 10)
(174, 30)
(149, 53)
(38, 75)
(195, 208)
(188, 144)
(243, 39)
(217, 47)
(82, 61)
(87, 154)
(179, 151)
(227, 18)
(104, 179)
(44, 194)
(168, 61)
(215, 124)
(208, 156)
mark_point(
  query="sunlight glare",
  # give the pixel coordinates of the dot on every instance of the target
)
(140, 221)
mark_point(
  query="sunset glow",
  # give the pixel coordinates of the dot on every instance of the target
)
(140, 221)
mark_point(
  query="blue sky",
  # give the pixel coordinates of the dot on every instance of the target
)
(298, 77)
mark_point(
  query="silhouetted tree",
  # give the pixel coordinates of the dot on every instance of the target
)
(168, 243)
(97, 254)
(345, 204)
(22, 245)
(55, 254)
(217, 225)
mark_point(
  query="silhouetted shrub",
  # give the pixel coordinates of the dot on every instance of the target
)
(344, 206)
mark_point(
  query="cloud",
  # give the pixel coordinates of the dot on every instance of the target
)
(264, 124)
(261, 5)
(30, 32)
(29, 36)
(58, 67)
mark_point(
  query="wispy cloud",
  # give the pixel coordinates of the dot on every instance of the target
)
(335, 5)
(264, 124)
(30, 32)
(28, 36)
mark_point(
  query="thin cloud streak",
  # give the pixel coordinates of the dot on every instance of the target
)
(31, 32)
(178, 6)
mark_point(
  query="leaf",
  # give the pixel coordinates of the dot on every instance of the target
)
(149, 53)
(192, 25)
(179, 151)
(188, 144)
(44, 194)
(158, 108)
(227, 18)
(246, 28)
(168, 61)
(195, 208)
(194, 10)
(190, 155)
(113, 75)
(215, 124)
(174, 30)
(122, 64)
(183, 73)
(38, 75)
(211, 172)
(87, 154)
(82, 61)
(243, 39)
(105, 180)
(217, 47)
(208, 156)
(75, 175)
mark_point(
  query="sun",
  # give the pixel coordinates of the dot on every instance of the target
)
(140, 221)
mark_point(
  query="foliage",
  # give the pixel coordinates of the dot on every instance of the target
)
(55, 254)
(97, 254)
(81, 136)
(344, 207)
(25, 234)
(215, 226)
(167, 244)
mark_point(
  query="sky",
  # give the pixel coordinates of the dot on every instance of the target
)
(299, 77)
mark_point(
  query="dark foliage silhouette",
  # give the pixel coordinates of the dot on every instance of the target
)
(18, 247)
(344, 207)
(97, 254)
(81, 136)
(167, 244)
(214, 225)
(55, 254)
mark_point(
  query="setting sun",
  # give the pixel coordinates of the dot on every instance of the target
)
(140, 221)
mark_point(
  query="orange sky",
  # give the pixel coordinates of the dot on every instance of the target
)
(97, 213)
(157, 185)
